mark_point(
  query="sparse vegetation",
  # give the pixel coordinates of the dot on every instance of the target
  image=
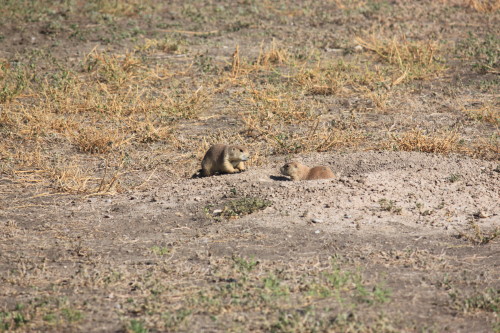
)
(488, 114)
(109, 99)
(238, 285)
(477, 236)
(454, 177)
(413, 60)
(136, 326)
(483, 52)
(236, 208)
(390, 206)
(160, 250)
(488, 300)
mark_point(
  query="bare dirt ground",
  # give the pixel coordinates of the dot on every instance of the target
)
(108, 106)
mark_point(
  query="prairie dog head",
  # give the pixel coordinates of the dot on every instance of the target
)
(237, 153)
(293, 169)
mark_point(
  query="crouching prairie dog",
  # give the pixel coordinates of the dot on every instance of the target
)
(224, 159)
(298, 171)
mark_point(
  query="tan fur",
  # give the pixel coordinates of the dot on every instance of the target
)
(224, 159)
(298, 171)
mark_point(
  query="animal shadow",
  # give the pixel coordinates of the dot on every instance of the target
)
(279, 178)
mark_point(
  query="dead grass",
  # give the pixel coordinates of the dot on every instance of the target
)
(350, 4)
(477, 236)
(110, 102)
(417, 140)
(275, 55)
(169, 80)
(97, 141)
(488, 113)
(486, 148)
(412, 59)
(484, 6)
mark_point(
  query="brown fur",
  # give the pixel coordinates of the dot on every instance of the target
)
(224, 159)
(298, 171)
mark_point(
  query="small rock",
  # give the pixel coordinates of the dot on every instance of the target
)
(317, 231)
(327, 49)
(316, 220)
(482, 214)
(217, 211)
(107, 216)
(347, 216)
(358, 48)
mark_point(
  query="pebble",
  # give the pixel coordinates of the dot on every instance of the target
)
(317, 231)
(482, 214)
(315, 220)
(217, 211)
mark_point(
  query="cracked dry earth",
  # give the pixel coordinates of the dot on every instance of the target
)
(405, 217)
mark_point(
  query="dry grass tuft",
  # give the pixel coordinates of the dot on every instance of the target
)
(275, 55)
(235, 64)
(98, 141)
(349, 4)
(487, 148)
(166, 45)
(484, 6)
(115, 69)
(416, 140)
(188, 105)
(488, 113)
(13, 81)
(274, 105)
(148, 131)
(477, 236)
(128, 8)
(340, 78)
(324, 80)
(414, 59)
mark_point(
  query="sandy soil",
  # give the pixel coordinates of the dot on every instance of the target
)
(399, 215)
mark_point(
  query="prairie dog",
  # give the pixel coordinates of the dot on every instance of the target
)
(298, 171)
(224, 159)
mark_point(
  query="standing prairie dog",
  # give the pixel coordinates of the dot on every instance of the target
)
(298, 171)
(224, 159)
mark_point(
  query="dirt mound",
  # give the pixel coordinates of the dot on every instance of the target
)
(409, 220)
